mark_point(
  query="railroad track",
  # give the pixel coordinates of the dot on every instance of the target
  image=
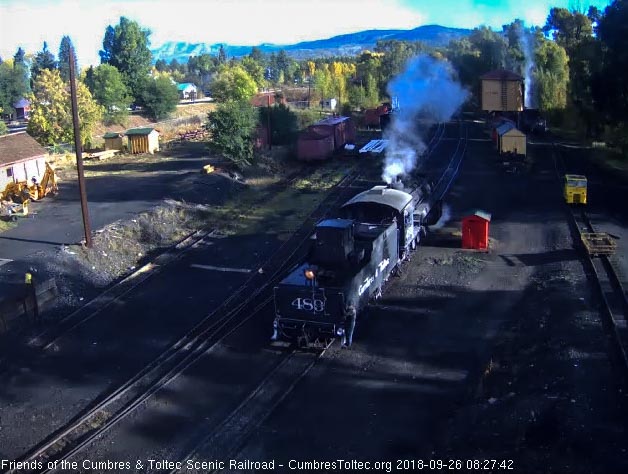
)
(229, 437)
(113, 407)
(606, 280)
(112, 296)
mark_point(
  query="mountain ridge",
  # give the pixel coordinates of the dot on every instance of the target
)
(345, 44)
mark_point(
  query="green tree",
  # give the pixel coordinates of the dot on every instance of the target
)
(125, 47)
(233, 83)
(64, 58)
(108, 45)
(257, 55)
(611, 87)
(395, 55)
(162, 66)
(222, 55)
(51, 115)
(255, 70)
(568, 28)
(232, 127)
(283, 123)
(160, 97)
(323, 83)
(3, 126)
(19, 57)
(13, 84)
(44, 59)
(551, 76)
(109, 90)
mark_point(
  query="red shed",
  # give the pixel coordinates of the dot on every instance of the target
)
(475, 230)
(312, 145)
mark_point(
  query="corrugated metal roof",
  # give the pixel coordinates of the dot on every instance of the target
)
(19, 146)
(501, 75)
(382, 195)
(113, 135)
(332, 121)
(515, 132)
(504, 127)
(139, 131)
(22, 103)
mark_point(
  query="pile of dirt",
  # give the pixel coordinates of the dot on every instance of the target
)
(121, 246)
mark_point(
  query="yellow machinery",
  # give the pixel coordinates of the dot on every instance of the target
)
(21, 190)
(575, 191)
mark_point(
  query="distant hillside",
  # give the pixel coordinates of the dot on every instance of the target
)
(348, 44)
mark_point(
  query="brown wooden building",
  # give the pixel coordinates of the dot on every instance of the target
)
(113, 140)
(502, 91)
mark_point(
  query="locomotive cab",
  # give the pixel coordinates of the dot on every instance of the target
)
(347, 262)
(384, 205)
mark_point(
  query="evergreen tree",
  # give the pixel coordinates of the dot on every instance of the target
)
(44, 59)
(222, 55)
(125, 47)
(64, 58)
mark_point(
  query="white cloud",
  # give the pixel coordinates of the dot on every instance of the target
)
(29, 24)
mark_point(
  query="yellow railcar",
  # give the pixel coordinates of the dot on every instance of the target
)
(575, 189)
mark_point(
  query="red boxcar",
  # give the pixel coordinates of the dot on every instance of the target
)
(313, 146)
(334, 132)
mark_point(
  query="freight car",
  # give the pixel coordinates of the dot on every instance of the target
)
(349, 260)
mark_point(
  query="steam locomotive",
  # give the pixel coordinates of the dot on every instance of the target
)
(349, 260)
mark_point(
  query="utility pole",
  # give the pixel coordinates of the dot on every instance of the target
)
(270, 134)
(79, 153)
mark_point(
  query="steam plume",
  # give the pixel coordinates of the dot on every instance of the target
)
(526, 41)
(444, 218)
(425, 89)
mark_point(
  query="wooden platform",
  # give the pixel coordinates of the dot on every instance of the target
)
(101, 155)
(598, 243)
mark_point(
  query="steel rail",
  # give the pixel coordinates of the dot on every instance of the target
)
(229, 436)
(79, 432)
(603, 271)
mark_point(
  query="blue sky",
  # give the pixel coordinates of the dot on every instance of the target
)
(28, 23)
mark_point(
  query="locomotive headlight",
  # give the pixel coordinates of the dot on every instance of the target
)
(309, 274)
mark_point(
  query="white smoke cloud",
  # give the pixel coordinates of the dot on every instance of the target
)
(526, 41)
(425, 89)
(444, 218)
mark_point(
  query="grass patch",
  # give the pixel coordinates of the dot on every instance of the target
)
(6, 225)
(260, 209)
(193, 109)
(256, 208)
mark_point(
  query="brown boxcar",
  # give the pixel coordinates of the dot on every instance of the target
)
(312, 146)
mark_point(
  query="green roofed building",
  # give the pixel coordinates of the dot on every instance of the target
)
(143, 140)
(187, 91)
(113, 140)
